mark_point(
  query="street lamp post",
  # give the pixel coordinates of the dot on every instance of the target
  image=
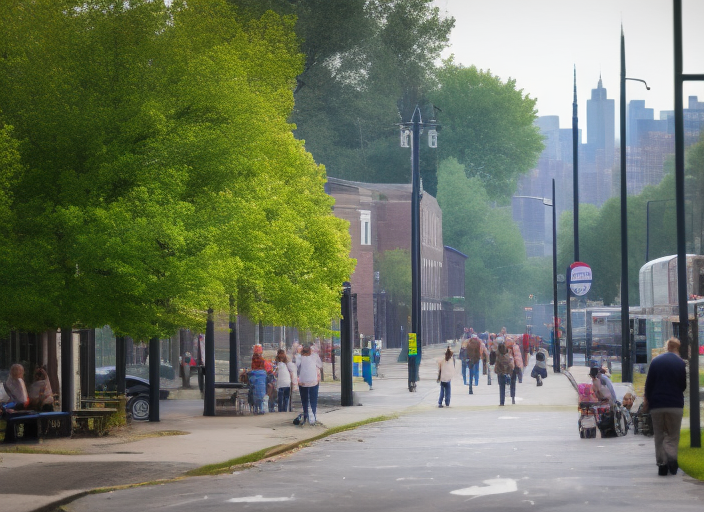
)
(627, 367)
(680, 78)
(413, 129)
(551, 203)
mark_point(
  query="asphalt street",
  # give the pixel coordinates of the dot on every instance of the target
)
(458, 458)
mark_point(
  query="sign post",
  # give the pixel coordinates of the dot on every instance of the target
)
(412, 356)
(579, 282)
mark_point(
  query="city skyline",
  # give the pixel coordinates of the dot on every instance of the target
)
(510, 38)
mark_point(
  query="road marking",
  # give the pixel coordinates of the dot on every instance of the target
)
(257, 499)
(493, 486)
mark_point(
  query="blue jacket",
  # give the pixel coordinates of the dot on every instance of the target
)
(666, 382)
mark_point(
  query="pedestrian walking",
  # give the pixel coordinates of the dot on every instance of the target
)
(308, 365)
(517, 374)
(664, 397)
(526, 349)
(504, 368)
(483, 338)
(492, 346)
(446, 370)
(540, 369)
(285, 372)
(474, 355)
(464, 360)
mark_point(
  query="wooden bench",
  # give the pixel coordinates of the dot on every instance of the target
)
(93, 419)
(96, 403)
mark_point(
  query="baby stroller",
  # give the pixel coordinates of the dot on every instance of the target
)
(612, 421)
(257, 391)
(588, 411)
(642, 422)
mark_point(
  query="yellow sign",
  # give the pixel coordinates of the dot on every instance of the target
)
(412, 344)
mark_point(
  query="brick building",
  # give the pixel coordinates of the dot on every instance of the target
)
(380, 220)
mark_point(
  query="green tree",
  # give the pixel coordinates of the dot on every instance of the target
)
(495, 283)
(487, 126)
(162, 176)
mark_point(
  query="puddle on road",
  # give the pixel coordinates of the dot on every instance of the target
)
(493, 486)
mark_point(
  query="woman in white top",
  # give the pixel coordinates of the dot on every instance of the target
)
(446, 371)
(308, 365)
(284, 373)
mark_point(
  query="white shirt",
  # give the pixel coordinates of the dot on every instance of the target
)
(447, 370)
(308, 370)
(283, 374)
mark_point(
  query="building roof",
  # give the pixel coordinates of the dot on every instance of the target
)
(452, 249)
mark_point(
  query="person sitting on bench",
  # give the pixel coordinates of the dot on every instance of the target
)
(15, 387)
(40, 394)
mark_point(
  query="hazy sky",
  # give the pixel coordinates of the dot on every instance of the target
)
(537, 42)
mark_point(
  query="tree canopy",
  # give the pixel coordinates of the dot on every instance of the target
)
(152, 172)
(487, 125)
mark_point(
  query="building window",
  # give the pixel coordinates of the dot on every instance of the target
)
(366, 227)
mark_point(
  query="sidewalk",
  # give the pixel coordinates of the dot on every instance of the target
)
(149, 451)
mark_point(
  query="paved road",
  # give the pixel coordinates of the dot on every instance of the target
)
(457, 458)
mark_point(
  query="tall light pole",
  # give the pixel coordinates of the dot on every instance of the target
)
(680, 78)
(413, 129)
(575, 209)
(626, 365)
(551, 203)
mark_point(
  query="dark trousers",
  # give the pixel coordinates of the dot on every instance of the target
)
(445, 389)
(284, 395)
(473, 374)
(516, 375)
(503, 380)
(309, 395)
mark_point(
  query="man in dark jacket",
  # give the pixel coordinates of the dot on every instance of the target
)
(664, 395)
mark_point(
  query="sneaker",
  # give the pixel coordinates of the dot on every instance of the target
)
(662, 469)
(440, 406)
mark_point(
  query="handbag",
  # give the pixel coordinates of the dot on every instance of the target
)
(439, 373)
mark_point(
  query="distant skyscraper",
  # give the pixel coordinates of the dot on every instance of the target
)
(600, 127)
(636, 113)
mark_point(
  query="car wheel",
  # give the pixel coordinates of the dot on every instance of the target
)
(139, 408)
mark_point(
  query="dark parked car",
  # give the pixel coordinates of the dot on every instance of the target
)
(136, 390)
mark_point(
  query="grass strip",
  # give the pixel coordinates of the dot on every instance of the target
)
(102, 490)
(691, 460)
(247, 460)
(38, 451)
